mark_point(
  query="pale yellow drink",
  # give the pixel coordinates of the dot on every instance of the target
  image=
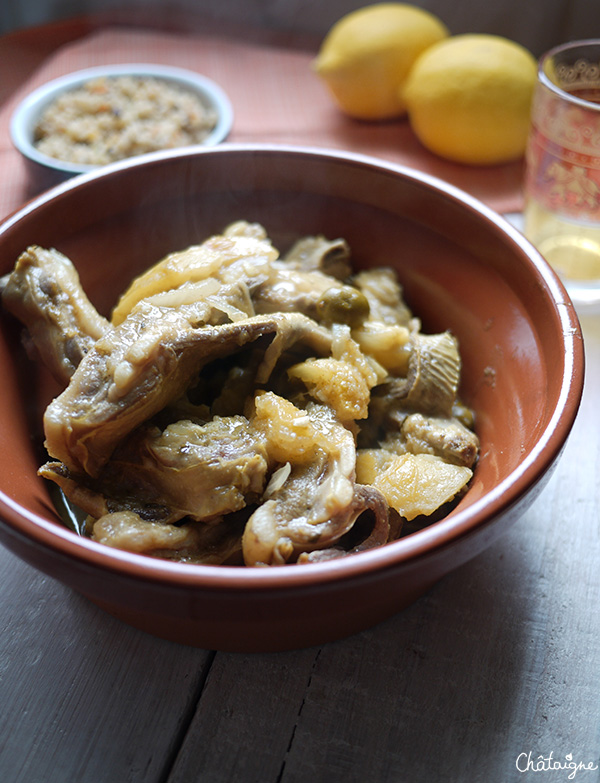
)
(562, 186)
(572, 247)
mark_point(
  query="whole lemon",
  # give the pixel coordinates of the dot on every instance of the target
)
(469, 98)
(366, 56)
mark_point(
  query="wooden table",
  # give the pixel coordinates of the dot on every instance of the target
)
(492, 676)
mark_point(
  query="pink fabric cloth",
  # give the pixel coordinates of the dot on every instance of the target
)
(276, 98)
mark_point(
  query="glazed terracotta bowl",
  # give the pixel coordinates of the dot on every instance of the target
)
(46, 171)
(463, 268)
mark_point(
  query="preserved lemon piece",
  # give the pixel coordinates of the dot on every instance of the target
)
(212, 259)
(344, 380)
(337, 384)
(388, 344)
(370, 463)
(290, 433)
(415, 484)
(294, 435)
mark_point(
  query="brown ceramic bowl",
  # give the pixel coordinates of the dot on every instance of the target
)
(463, 268)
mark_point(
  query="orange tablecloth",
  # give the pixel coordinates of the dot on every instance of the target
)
(276, 98)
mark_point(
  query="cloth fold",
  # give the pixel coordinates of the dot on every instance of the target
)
(276, 98)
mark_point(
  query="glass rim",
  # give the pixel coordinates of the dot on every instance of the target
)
(558, 91)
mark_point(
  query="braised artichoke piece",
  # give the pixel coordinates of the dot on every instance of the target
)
(44, 292)
(305, 516)
(308, 254)
(90, 496)
(204, 470)
(228, 259)
(243, 228)
(200, 471)
(433, 373)
(384, 295)
(332, 257)
(193, 542)
(430, 386)
(145, 363)
(232, 300)
(387, 344)
(447, 438)
(310, 498)
(288, 290)
(370, 505)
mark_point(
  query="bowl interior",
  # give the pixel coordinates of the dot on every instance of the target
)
(462, 269)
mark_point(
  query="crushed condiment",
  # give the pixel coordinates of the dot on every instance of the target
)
(115, 117)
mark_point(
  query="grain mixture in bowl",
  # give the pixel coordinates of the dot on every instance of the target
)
(112, 118)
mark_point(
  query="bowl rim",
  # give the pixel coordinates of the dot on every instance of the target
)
(25, 115)
(428, 542)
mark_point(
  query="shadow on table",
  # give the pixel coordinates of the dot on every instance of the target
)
(428, 695)
(435, 689)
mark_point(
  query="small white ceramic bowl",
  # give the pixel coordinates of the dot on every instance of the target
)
(47, 171)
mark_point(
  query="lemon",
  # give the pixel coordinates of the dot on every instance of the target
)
(366, 56)
(469, 98)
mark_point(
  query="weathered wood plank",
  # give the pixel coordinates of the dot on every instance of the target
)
(246, 717)
(84, 697)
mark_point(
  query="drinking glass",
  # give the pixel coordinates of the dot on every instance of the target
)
(562, 181)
